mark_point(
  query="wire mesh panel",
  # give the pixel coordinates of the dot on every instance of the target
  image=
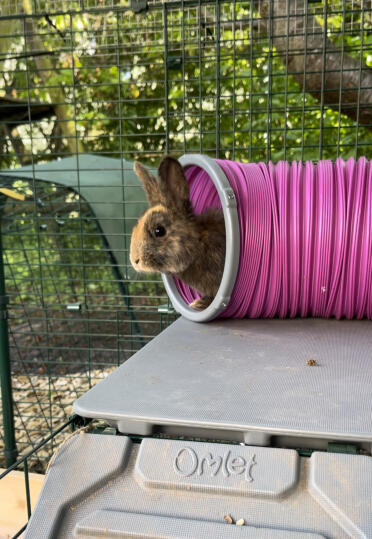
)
(238, 80)
(72, 318)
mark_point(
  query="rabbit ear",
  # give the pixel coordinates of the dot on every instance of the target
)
(149, 183)
(173, 183)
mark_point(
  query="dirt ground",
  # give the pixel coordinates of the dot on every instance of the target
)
(42, 404)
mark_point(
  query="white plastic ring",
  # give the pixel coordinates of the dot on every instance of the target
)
(230, 213)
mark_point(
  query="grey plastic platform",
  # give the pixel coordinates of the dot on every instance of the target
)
(108, 487)
(245, 380)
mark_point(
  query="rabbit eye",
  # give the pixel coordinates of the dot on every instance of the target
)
(159, 231)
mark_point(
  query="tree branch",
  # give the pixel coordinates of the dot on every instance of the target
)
(320, 68)
(17, 143)
(55, 139)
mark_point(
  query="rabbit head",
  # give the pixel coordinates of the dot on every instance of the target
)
(165, 238)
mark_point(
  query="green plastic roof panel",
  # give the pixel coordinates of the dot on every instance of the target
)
(109, 186)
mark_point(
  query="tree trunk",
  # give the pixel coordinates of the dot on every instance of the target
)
(64, 113)
(321, 69)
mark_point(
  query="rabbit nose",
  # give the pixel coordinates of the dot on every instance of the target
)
(136, 261)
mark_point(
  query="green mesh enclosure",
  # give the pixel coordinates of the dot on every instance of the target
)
(72, 317)
(237, 80)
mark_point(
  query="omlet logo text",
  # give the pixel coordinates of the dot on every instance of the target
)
(188, 463)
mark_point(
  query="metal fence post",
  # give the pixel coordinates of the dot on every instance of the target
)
(10, 450)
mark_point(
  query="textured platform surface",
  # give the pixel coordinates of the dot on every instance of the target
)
(248, 377)
(106, 486)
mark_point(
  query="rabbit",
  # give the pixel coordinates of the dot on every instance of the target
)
(172, 239)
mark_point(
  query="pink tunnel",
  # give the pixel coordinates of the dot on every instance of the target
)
(305, 237)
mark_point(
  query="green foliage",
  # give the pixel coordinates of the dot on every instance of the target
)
(230, 98)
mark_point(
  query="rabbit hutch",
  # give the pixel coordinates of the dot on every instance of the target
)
(145, 423)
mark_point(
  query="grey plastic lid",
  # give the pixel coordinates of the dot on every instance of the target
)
(108, 487)
(229, 207)
(246, 380)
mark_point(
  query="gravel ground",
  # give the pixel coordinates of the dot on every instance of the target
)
(42, 404)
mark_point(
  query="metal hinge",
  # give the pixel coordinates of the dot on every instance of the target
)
(138, 6)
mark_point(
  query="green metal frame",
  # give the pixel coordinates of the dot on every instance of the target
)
(10, 448)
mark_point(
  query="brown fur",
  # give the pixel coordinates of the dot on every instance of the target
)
(193, 248)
